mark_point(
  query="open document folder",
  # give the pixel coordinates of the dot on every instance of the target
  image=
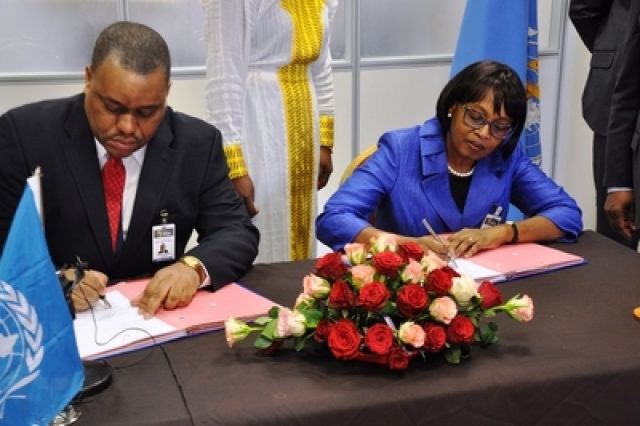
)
(121, 329)
(512, 261)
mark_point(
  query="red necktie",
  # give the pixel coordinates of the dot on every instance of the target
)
(113, 175)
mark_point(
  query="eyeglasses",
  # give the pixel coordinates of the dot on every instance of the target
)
(499, 128)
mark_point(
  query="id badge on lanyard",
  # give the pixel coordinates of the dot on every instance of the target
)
(163, 240)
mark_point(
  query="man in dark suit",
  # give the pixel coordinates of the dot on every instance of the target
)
(601, 25)
(622, 170)
(175, 176)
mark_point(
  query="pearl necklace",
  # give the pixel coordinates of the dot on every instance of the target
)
(459, 174)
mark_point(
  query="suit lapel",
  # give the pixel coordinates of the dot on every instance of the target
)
(80, 153)
(154, 178)
(435, 180)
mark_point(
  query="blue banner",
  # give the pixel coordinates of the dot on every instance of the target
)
(40, 368)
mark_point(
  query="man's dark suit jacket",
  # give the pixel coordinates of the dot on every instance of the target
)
(184, 172)
(623, 135)
(601, 26)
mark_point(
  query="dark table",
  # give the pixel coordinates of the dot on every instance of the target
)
(576, 363)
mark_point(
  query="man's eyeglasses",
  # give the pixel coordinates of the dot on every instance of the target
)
(500, 128)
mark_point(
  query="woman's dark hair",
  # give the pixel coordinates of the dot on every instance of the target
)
(474, 83)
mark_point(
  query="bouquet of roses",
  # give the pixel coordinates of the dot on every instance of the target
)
(385, 305)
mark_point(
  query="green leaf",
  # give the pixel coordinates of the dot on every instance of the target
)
(452, 354)
(262, 342)
(493, 326)
(313, 317)
(269, 330)
(263, 320)
(273, 312)
(299, 343)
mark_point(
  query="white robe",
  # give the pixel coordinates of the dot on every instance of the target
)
(269, 111)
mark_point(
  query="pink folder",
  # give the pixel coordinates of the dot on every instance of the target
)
(512, 261)
(103, 331)
(208, 310)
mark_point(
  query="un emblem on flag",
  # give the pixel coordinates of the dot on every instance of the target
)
(21, 348)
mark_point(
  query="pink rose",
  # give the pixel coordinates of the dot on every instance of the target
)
(316, 286)
(290, 323)
(304, 300)
(384, 242)
(361, 275)
(411, 334)
(443, 309)
(356, 253)
(431, 261)
(413, 272)
(520, 308)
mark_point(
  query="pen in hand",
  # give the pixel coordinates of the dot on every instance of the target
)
(437, 238)
(105, 300)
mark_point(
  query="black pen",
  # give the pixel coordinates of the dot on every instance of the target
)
(105, 300)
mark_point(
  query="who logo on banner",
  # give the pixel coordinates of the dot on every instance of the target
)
(40, 368)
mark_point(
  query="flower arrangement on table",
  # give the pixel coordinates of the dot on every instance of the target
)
(385, 305)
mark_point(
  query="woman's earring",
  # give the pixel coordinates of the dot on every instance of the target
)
(449, 114)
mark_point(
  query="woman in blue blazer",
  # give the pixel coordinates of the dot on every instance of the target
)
(453, 171)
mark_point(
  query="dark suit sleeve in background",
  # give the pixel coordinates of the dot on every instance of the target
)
(227, 239)
(625, 105)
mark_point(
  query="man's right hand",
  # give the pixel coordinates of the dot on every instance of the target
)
(621, 211)
(88, 290)
(244, 188)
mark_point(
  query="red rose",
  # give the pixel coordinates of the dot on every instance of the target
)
(398, 358)
(449, 270)
(387, 263)
(439, 282)
(435, 337)
(331, 266)
(322, 330)
(341, 296)
(411, 250)
(379, 339)
(460, 330)
(373, 296)
(412, 300)
(344, 340)
(490, 294)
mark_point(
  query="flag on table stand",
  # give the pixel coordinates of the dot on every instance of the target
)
(506, 31)
(40, 368)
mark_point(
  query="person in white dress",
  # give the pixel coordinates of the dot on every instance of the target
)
(269, 89)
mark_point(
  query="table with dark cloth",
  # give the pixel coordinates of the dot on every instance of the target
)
(576, 363)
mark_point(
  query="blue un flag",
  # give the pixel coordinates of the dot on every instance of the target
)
(40, 368)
